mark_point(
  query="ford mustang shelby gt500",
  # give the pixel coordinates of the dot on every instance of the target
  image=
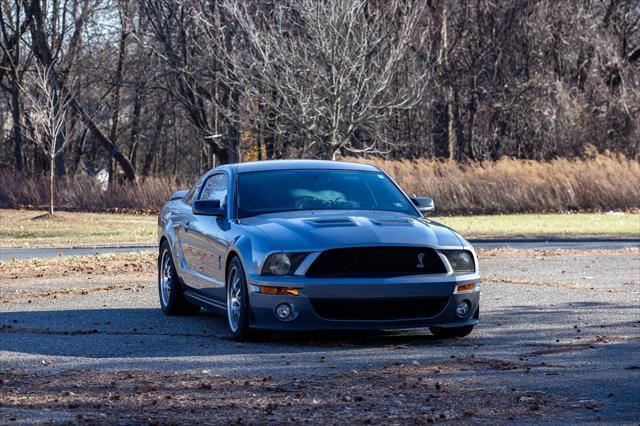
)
(310, 245)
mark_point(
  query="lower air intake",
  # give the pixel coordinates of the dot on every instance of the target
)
(378, 309)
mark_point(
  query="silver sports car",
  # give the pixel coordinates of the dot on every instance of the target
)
(310, 245)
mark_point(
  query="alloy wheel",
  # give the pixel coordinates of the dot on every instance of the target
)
(165, 278)
(234, 298)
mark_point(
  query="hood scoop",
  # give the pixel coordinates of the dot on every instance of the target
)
(397, 221)
(331, 222)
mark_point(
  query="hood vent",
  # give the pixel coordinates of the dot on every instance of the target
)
(331, 222)
(398, 221)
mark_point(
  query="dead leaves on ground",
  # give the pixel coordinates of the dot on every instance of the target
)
(408, 394)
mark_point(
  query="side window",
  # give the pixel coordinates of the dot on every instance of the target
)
(215, 188)
(189, 197)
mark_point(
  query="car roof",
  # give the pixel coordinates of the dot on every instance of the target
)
(259, 166)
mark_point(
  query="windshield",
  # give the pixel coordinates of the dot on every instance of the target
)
(294, 190)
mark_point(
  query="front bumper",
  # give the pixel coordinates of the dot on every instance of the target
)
(263, 306)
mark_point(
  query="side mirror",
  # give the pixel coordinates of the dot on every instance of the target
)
(425, 205)
(208, 208)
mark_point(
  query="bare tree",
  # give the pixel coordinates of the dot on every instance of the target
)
(12, 26)
(46, 110)
(327, 72)
(200, 74)
(174, 87)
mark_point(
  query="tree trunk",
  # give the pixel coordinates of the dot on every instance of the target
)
(439, 135)
(453, 123)
(233, 142)
(175, 155)
(77, 153)
(135, 124)
(51, 178)
(129, 172)
(115, 105)
(59, 167)
(155, 139)
(457, 146)
(270, 129)
(11, 60)
(17, 125)
(472, 109)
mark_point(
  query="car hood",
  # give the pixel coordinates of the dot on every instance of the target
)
(321, 230)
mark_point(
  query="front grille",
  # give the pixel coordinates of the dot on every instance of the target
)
(376, 261)
(378, 309)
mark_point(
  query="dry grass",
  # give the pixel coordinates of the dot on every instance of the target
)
(82, 193)
(28, 228)
(559, 225)
(601, 183)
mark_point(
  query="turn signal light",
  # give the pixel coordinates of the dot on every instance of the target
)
(467, 288)
(279, 290)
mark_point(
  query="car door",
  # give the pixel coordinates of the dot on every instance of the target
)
(202, 250)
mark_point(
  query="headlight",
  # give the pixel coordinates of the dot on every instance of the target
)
(282, 263)
(460, 260)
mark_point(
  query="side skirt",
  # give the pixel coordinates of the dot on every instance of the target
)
(205, 302)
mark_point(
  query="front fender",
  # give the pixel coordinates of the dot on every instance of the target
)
(167, 230)
(252, 247)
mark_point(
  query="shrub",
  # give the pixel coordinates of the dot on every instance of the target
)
(603, 182)
(83, 193)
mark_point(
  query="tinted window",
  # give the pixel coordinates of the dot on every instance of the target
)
(291, 190)
(189, 197)
(215, 188)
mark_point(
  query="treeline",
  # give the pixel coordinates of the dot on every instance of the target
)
(165, 87)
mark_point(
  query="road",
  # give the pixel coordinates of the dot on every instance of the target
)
(7, 253)
(480, 243)
(569, 326)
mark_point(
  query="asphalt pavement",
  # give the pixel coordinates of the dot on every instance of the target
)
(573, 321)
(480, 243)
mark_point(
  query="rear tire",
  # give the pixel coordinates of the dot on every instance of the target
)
(238, 307)
(172, 300)
(447, 333)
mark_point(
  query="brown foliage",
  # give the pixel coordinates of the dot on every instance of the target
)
(603, 182)
(83, 193)
(514, 186)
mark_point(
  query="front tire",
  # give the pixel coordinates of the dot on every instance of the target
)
(172, 300)
(447, 333)
(238, 307)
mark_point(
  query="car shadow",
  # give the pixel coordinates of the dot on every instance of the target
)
(148, 333)
(143, 332)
